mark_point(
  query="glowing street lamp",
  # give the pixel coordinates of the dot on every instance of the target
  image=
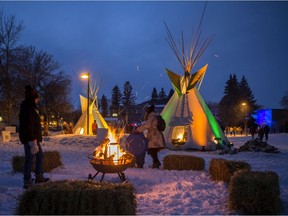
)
(87, 76)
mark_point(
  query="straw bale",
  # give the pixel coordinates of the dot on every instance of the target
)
(183, 162)
(222, 170)
(51, 160)
(78, 197)
(255, 192)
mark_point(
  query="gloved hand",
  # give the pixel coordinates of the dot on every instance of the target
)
(33, 147)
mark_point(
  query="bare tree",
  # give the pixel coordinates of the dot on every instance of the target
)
(40, 70)
(10, 32)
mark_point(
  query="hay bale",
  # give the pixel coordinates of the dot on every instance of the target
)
(78, 197)
(183, 162)
(222, 170)
(51, 160)
(255, 192)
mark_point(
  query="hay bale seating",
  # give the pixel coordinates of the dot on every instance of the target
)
(222, 170)
(183, 162)
(78, 197)
(51, 160)
(255, 192)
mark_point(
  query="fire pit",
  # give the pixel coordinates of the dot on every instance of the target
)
(110, 158)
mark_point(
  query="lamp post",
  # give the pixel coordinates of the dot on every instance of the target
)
(87, 76)
(245, 117)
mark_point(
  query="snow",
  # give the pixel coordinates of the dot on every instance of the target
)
(158, 191)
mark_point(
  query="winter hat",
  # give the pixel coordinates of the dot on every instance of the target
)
(28, 92)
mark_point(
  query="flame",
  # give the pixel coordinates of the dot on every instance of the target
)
(180, 136)
(110, 148)
(112, 136)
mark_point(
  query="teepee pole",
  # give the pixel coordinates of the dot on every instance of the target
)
(201, 81)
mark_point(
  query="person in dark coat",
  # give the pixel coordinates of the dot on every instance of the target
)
(260, 133)
(266, 130)
(253, 129)
(30, 136)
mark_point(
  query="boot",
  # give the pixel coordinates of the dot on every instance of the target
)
(156, 165)
(40, 178)
(27, 183)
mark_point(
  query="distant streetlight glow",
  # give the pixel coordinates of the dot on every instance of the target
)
(87, 76)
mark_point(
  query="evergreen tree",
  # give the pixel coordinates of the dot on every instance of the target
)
(128, 97)
(247, 96)
(116, 98)
(171, 92)
(162, 93)
(228, 106)
(237, 103)
(154, 94)
(104, 106)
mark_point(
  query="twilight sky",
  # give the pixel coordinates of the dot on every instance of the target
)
(119, 41)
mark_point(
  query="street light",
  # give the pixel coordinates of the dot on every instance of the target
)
(245, 117)
(87, 76)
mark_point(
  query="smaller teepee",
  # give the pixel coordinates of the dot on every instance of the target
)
(94, 114)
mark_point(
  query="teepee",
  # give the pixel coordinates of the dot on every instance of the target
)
(94, 114)
(189, 122)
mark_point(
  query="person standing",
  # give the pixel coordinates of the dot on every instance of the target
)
(30, 136)
(260, 133)
(94, 127)
(266, 130)
(154, 136)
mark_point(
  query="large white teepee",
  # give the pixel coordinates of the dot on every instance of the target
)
(189, 122)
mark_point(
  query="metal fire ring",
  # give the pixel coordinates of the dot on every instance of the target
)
(110, 166)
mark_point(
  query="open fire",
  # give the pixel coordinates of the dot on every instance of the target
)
(111, 153)
(109, 157)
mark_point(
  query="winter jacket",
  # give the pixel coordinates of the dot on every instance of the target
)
(154, 136)
(30, 123)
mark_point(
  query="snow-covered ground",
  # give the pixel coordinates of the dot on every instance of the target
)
(158, 191)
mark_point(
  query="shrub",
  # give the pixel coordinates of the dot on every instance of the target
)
(51, 160)
(255, 192)
(222, 170)
(78, 197)
(183, 162)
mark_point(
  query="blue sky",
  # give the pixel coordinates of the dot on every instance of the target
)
(119, 41)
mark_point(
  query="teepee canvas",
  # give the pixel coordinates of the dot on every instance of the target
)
(94, 114)
(189, 122)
